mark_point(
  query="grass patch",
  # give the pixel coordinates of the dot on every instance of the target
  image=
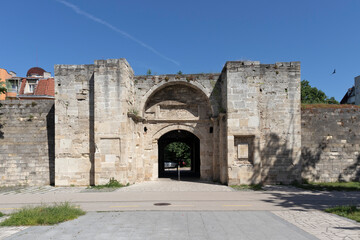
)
(332, 186)
(351, 212)
(43, 215)
(255, 187)
(1, 214)
(325, 105)
(113, 183)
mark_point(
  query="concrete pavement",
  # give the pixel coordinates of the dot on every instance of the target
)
(278, 206)
(170, 225)
(181, 196)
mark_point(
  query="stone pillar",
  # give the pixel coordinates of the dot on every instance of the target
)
(357, 90)
(72, 124)
(113, 98)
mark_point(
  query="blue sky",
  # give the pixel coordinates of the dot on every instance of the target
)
(192, 36)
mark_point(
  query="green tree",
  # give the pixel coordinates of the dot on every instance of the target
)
(2, 87)
(313, 95)
(148, 72)
(2, 90)
(176, 151)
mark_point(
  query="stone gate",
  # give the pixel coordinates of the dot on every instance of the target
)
(243, 124)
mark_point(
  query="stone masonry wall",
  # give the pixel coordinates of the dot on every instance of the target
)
(114, 132)
(263, 122)
(331, 144)
(26, 142)
(73, 118)
(108, 123)
(95, 138)
(208, 83)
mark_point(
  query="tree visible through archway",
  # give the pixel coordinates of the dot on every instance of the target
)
(178, 152)
(179, 146)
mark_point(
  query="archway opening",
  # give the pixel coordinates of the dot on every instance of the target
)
(179, 148)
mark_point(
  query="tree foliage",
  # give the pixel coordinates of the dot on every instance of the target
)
(313, 95)
(178, 151)
(2, 88)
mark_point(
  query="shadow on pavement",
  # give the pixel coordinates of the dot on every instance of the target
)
(291, 197)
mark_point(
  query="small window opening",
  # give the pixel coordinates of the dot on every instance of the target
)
(211, 129)
(145, 129)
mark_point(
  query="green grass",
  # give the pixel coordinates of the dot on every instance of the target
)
(337, 186)
(113, 183)
(325, 105)
(255, 187)
(351, 212)
(1, 214)
(43, 215)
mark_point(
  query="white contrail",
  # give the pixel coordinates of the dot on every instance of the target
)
(112, 27)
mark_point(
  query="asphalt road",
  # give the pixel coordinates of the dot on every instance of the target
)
(208, 198)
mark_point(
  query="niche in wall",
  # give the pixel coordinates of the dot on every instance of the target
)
(244, 149)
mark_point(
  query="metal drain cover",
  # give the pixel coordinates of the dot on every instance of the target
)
(162, 204)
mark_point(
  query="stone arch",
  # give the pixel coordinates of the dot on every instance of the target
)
(166, 162)
(161, 86)
(177, 126)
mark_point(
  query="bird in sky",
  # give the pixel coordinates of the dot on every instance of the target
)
(334, 71)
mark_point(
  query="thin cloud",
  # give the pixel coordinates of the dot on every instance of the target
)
(115, 29)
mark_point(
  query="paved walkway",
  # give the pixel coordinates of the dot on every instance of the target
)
(8, 231)
(176, 186)
(39, 190)
(196, 211)
(322, 225)
(170, 225)
(162, 185)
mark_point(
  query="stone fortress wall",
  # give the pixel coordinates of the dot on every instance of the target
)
(248, 106)
(331, 144)
(26, 142)
(108, 123)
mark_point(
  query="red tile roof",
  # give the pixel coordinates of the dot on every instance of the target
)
(22, 87)
(45, 87)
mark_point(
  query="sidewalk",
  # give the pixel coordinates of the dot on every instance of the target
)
(181, 196)
(168, 201)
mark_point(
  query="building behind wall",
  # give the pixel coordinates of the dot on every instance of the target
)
(352, 96)
(38, 84)
(110, 123)
(4, 75)
(357, 90)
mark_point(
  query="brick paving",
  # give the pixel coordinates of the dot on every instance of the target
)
(322, 225)
(39, 190)
(8, 231)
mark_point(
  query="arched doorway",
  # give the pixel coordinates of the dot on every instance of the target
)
(168, 163)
